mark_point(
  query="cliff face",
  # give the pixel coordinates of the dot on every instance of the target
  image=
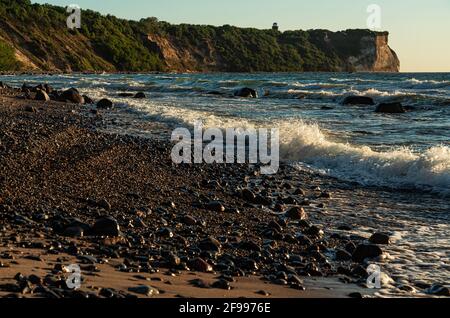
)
(351, 50)
(375, 55)
(42, 42)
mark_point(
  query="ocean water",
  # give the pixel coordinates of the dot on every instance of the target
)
(406, 151)
(398, 165)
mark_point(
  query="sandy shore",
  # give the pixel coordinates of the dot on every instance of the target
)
(117, 206)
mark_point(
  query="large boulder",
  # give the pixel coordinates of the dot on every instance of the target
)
(140, 95)
(42, 96)
(358, 100)
(296, 213)
(380, 239)
(72, 95)
(364, 251)
(390, 108)
(106, 226)
(246, 92)
(105, 104)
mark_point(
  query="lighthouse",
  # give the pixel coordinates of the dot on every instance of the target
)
(275, 26)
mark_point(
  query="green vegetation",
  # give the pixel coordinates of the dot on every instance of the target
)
(8, 60)
(113, 44)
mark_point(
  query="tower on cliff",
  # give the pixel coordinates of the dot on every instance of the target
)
(275, 27)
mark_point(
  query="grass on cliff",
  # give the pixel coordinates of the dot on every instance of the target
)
(8, 61)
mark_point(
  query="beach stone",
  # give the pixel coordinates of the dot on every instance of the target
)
(358, 100)
(303, 240)
(199, 283)
(210, 244)
(189, 220)
(314, 231)
(350, 247)
(165, 232)
(106, 226)
(72, 96)
(248, 195)
(105, 104)
(380, 238)
(250, 246)
(390, 108)
(343, 256)
(200, 265)
(221, 284)
(263, 293)
(74, 231)
(439, 290)
(276, 226)
(104, 204)
(30, 109)
(296, 213)
(88, 100)
(140, 95)
(246, 92)
(42, 96)
(364, 251)
(144, 290)
(35, 280)
(215, 206)
(173, 259)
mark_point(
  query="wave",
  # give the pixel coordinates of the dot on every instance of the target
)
(302, 142)
(426, 84)
(399, 168)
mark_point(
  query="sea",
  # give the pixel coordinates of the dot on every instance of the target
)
(399, 164)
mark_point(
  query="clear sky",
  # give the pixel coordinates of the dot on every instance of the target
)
(419, 28)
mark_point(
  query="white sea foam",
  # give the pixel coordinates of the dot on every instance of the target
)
(308, 143)
(427, 84)
(398, 168)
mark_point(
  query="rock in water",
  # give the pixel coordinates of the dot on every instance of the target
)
(364, 251)
(140, 95)
(296, 213)
(42, 96)
(358, 100)
(105, 104)
(106, 226)
(246, 92)
(390, 108)
(88, 100)
(72, 96)
(380, 238)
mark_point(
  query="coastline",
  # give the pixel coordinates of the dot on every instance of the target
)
(60, 174)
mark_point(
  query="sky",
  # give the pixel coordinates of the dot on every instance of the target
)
(419, 29)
